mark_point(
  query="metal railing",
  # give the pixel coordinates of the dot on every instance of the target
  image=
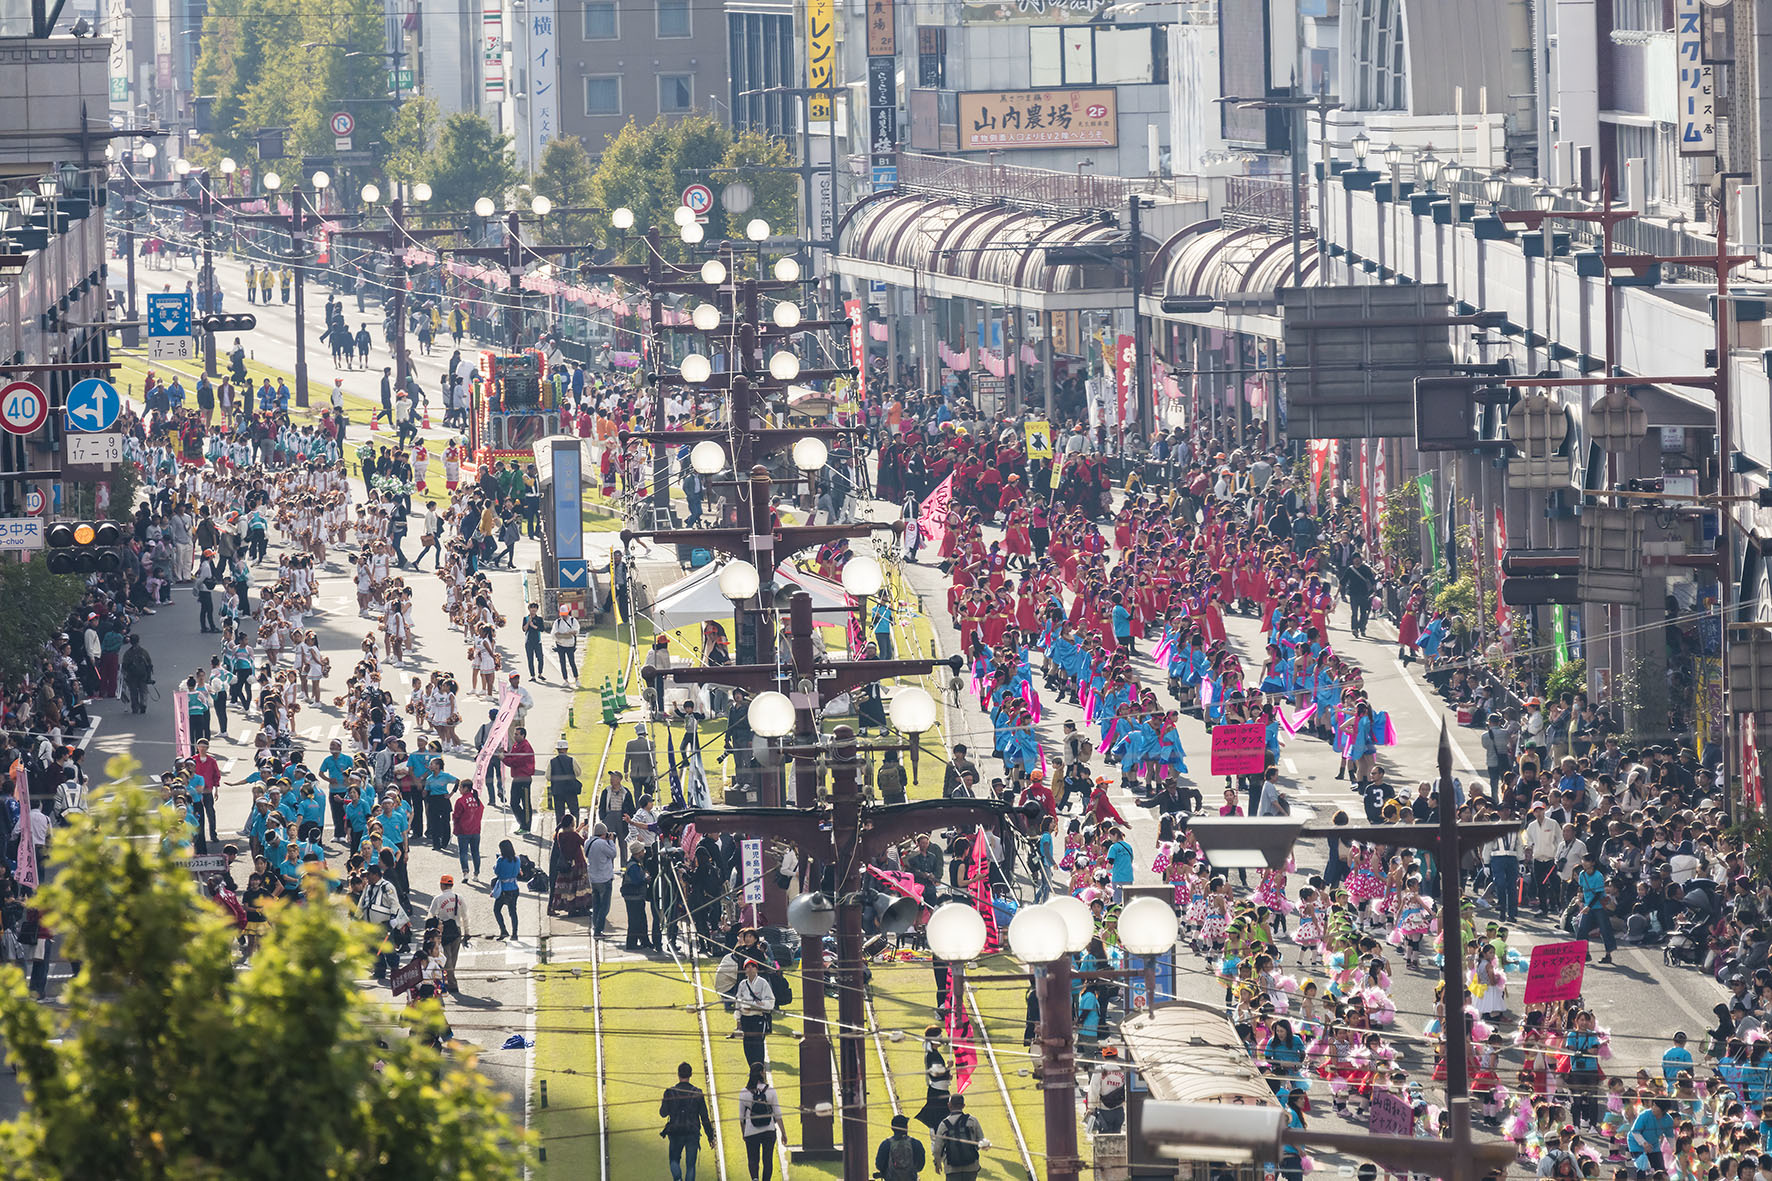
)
(1041, 190)
(1260, 201)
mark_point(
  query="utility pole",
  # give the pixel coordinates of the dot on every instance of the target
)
(846, 834)
(297, 223)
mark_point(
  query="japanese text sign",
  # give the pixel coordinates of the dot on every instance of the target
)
(1239, 749)
(1009, 120)
(1555, 972)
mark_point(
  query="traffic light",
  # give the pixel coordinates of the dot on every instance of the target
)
(236, 323)
(84, 547)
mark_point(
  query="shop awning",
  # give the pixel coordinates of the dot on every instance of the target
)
(994, 253)
(1226, 277)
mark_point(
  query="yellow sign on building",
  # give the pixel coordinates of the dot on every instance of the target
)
(821, 55)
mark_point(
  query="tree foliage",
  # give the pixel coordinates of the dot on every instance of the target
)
(776, 194)
(412, 138)
(34, 605)
(647, 168)
(174, 1063)
(471, 160)
(255, 63)
(565, 178)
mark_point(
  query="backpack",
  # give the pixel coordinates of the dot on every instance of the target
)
(762, 1111)
(901, 1159)
(959, 1144)
(684, 1117)
(784, 991)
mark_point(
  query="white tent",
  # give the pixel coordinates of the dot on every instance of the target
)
(698, 597)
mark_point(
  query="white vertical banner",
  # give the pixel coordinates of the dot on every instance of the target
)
(492, 53)
(116, 23)
(1695, 93)
(750, 870)
(544, 77)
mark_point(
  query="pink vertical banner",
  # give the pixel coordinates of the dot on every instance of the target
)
(27, 847)
(495, 739)
(932, 519)
(181, 724)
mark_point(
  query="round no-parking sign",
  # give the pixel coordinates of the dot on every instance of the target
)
(23, 407)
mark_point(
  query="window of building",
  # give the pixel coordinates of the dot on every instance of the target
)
(676, 93)
(673, 18)
(1096, 56)
(599, 21)
(603, 95)
(932, 57)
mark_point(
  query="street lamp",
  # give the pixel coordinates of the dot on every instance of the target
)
(271, 181)
(1360, 145)
(541, 206)
(771, 714)
(683, 216)
(421, 192)
(738, 582)
(705, 317)
(862, 576)
(1544, 198)
(713, 272)
(956, 933)
(1493, 187)
(696, 368)
(484, 207)
(371, 194)
(1038, 935)
(1427, 166)
(757, 230)
(783, 365)
(320, 180)
(228, 166)
(785, 314)
(182, 166)
(622, 218)
(810, 453)
(148, 151)
(787, 269)
(691, 234)
(1079, 920)
(708, 458)
(1147, 927)
(912, 710)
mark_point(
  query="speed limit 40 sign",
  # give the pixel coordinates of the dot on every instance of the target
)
(23, 407)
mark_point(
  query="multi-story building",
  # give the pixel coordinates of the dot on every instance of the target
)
(621, 60)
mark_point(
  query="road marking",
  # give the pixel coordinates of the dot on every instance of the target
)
(1291, 767)
(597, 1029)
(1435, 715)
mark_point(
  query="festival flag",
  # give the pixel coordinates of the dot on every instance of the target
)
(960, 1036)
(903, 882)
(508, 701)
(181, 724)
(1500, 557)
(1292, 723)
(695, 782)
(932, 519)
(1425, 489)
(979, 875)
(27, 847)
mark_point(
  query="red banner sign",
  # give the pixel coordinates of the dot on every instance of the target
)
(1123, 373)
(1239, 749)
(1555, 972)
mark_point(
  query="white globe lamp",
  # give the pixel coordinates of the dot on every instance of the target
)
(956, 933)
(785, 314)
(912, 710)
(738, 580)
(787, 269)
(862, 576)
(708, 457)
(713, 272)
(810, 453)
(1038, 935)
(1147, 926)
(706, 317)
(771, 715)
(696, 368)
(783, 365)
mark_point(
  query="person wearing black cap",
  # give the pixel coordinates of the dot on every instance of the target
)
(900, 1156)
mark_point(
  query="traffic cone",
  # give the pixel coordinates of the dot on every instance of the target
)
(374, 423)
(611, 706)
(427, 423)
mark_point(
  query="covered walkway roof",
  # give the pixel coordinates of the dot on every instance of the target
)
(987, 252)
(1226, 277)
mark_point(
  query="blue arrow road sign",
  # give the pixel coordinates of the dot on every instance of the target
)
(169, 314)
(572, 573)
(93, 405)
